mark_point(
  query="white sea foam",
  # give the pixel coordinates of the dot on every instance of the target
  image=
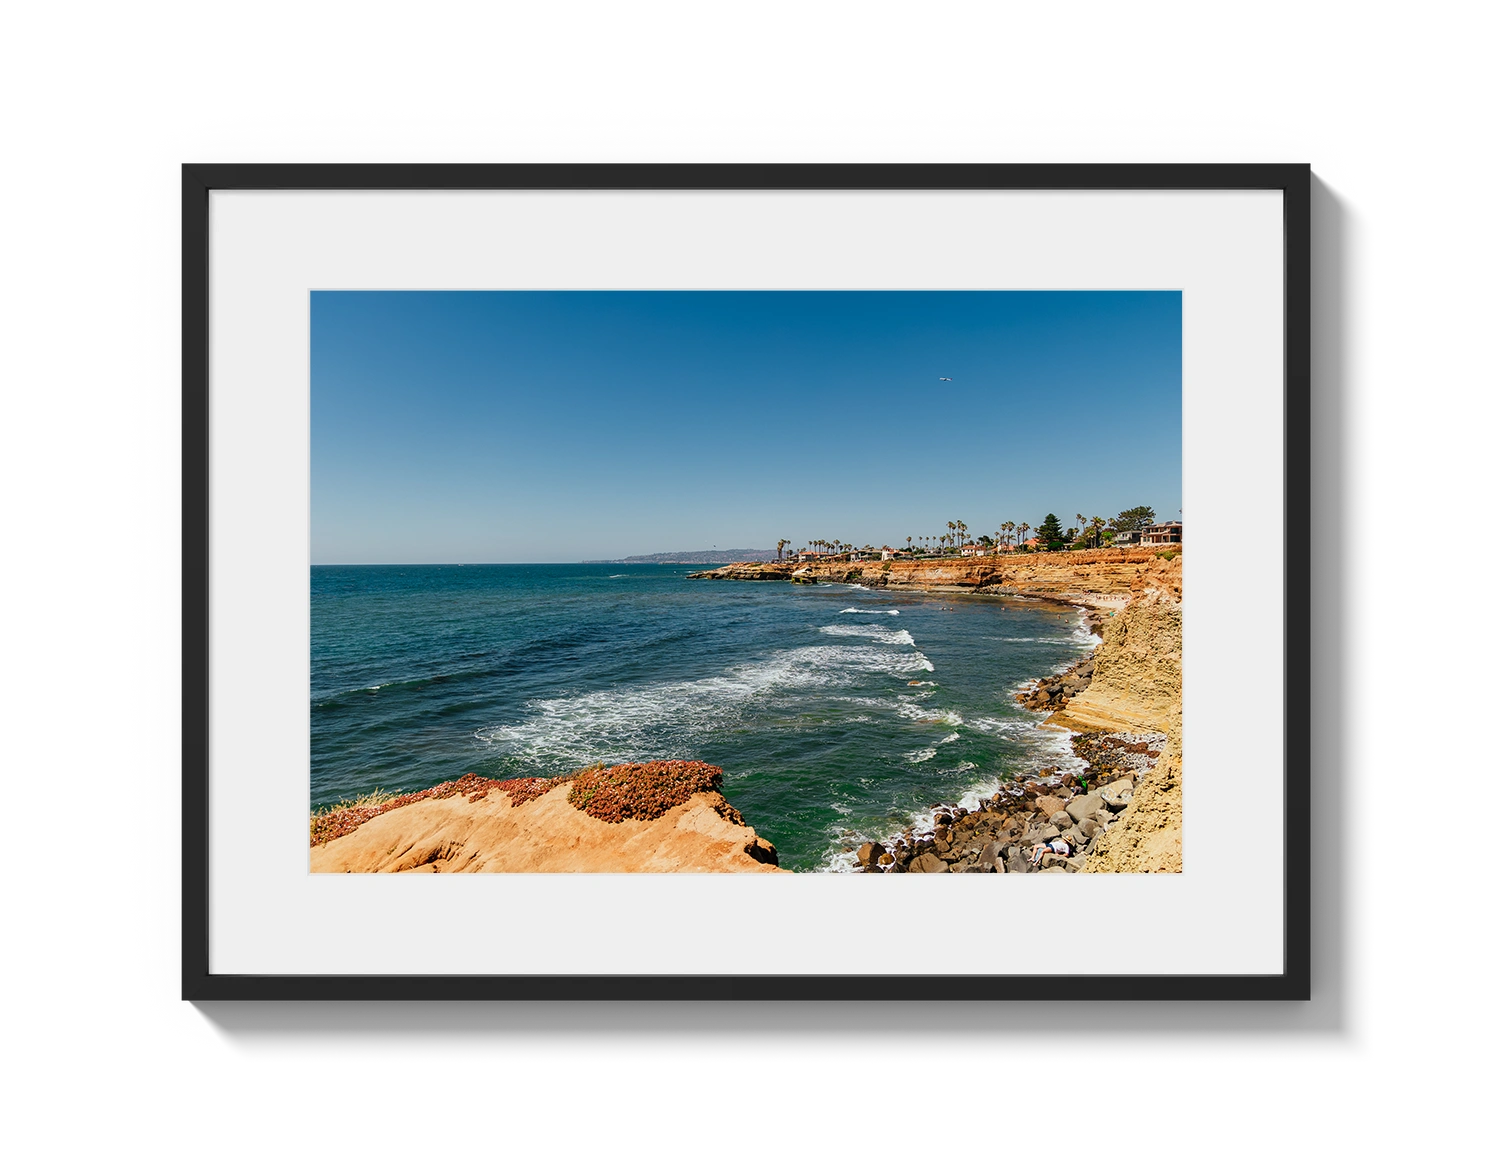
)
(657, 720)
(922, 715)
(878, 632)
(921, 755)
(617, 576)
(891, 612)
(948, 739)
(1003, 727)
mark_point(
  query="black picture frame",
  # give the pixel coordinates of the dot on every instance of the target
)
(1329, 251)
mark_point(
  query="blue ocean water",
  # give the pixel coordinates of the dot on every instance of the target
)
(837, 712)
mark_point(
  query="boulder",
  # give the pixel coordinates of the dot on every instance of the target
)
(869, 851)
(1047, 805)
(1061, 820)
(927, 863)
(886, 859)
(1085, 806)
(1088, 827)
(1017, 865)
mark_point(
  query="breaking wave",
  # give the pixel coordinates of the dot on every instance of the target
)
(877, 632)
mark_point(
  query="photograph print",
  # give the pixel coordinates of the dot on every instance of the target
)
(863, 582)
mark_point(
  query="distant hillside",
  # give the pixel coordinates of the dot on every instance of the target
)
(713, 556)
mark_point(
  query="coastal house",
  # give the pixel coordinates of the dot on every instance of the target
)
(973, 550)
(1168, 533)
(1127, 539)
(890, 554)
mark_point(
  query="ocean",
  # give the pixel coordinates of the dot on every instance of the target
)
(838, 712)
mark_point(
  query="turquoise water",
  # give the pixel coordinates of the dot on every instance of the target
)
(802, 694)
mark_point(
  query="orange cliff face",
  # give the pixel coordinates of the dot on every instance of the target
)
(661, 817)
(1102, 578)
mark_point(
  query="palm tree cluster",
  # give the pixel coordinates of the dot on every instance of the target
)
(1092, 532)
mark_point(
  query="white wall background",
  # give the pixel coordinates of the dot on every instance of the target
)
(1389, 1063)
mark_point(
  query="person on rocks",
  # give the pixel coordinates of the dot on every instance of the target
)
(1056, 845)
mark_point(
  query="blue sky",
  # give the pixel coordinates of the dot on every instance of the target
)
(563, 426)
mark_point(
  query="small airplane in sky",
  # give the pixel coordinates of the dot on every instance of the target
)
(945, 379)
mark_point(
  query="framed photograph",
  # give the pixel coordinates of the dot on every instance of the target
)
(627, 581)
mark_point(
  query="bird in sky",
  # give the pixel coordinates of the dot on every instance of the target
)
(945, 379)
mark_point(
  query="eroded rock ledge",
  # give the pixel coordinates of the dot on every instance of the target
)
(664, 816)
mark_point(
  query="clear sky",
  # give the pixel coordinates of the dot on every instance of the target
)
(566, 426)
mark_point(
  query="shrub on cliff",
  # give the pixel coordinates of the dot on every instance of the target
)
(641, 792)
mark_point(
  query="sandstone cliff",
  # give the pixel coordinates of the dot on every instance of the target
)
(600, 821)
(1100, 578)
(1137, 687)
(1137, 668)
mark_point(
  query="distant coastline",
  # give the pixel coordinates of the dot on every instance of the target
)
(713, 556)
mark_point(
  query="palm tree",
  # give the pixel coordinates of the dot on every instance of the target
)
(1098, 523)
(1082, 527)
(1008, 527)
(1025, 528)
(908, 544)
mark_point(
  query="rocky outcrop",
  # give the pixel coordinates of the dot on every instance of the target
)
(1056, 692)
(1100, 578)
(1039, 823)
(662, 817)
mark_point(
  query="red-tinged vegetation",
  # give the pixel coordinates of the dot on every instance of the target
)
(639, 792)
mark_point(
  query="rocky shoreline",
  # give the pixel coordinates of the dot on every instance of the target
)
(1006, 832)
(1122, 812)
(1041, 822)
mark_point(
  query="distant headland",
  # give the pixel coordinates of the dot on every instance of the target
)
(712, 556)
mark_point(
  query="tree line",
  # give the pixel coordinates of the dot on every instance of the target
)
(1091, 532)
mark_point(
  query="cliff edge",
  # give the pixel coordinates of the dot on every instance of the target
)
(1137, 687)
(659, 817)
